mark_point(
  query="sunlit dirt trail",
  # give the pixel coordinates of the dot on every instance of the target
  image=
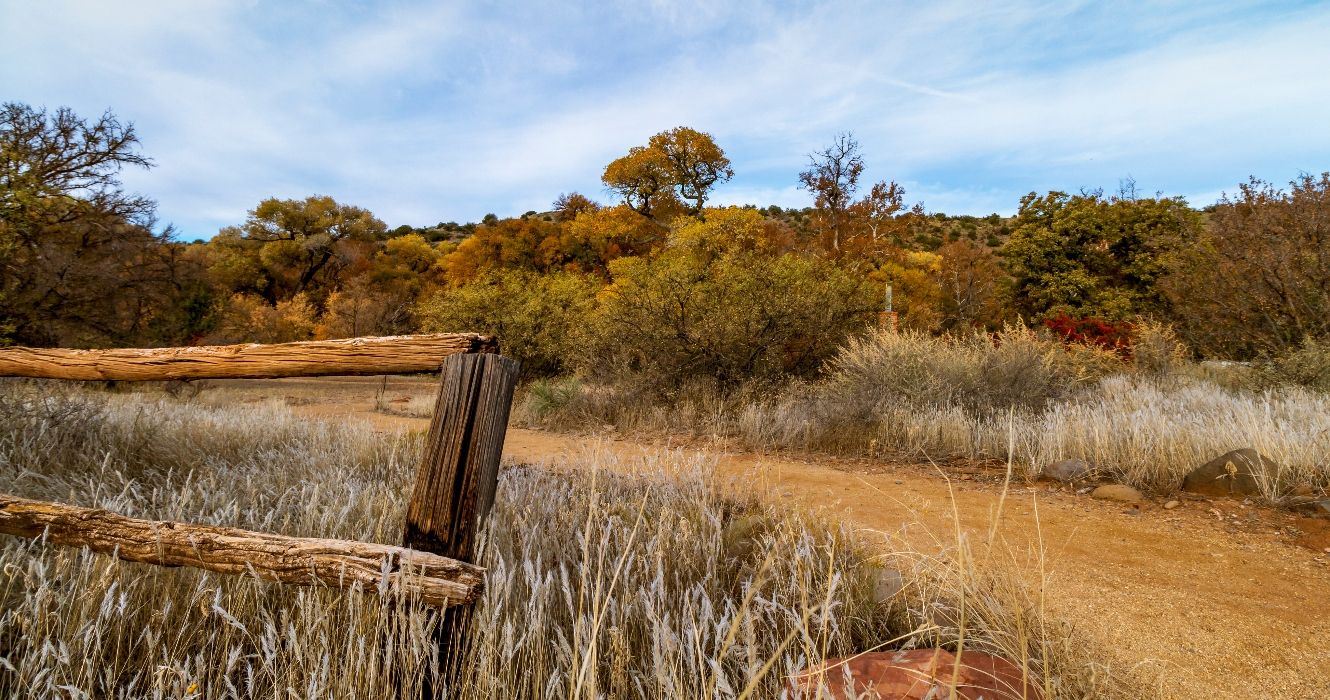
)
(1213, 598)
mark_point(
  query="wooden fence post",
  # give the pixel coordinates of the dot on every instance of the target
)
(459, 471)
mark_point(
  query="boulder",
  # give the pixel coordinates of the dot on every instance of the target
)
(1117, 492)
(915, 675)
(1069, 471)
(1236, 473)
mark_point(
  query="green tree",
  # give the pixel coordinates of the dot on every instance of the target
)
(537, 318)
(1091, 255)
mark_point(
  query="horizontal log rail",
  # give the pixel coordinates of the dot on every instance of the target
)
(302, 561)
(401, 354)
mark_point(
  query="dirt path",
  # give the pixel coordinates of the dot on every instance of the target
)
(1214, 594)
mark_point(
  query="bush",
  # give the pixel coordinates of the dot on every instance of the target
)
(1156, 349)
(686, 315)
(248, 318)
(1308, 366)
(985, 374)
(536, 317)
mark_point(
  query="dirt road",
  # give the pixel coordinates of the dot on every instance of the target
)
(1216, 595)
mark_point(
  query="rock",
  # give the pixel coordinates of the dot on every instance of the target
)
(1302, 491)
(886, 584)
(1117, 492)
(915, 675)
(1069, 471)
(1315, 509)
(1236, 473)
(1171, 505)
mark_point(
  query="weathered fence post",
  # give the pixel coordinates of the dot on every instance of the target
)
(455, 483)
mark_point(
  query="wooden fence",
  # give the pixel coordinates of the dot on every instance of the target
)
(453, 490)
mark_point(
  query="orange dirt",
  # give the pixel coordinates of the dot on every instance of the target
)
(1217, 597)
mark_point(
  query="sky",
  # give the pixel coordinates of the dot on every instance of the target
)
(424, 112)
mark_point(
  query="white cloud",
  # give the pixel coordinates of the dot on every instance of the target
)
(423, 112)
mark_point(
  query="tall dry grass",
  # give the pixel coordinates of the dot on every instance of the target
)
(607, 579)
(1019, 396)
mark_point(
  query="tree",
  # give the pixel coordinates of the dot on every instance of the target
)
(695, 164)
(287, 247)
(502, 244)
(79, 261)
(1258, 280)
(569, 205)
(675, 171)
(642, 178)
(833, 178)
(1089, 255)
(302, 245)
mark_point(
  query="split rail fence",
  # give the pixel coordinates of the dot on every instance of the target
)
(453, 490)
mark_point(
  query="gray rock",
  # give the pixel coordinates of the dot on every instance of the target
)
(1117, 492)
(1069, 471)
(1236, 473)
(886, 584)
(1315, 509)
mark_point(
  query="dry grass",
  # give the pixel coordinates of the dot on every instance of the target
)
(1023, 398)
(608, 580)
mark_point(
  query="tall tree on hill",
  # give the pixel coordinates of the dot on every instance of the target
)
(869, 229)
(833, 178)
(676, 170)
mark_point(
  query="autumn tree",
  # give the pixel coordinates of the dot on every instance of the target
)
(502, 244)
(1089, 255)
(677, 169)
(1258, 280)
(684, 315)
(864, 228)
(80, 263)
(570, 204)
(594, 238)
(302, 245)
(833, 178)
(536, 317)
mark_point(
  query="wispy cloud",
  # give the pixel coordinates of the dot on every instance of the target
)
(434, 111)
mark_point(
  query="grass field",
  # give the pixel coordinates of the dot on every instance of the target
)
(613, 579)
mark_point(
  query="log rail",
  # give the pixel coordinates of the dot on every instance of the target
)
(402, 354)
(302, 561)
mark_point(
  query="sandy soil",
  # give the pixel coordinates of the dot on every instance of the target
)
(1221, 599)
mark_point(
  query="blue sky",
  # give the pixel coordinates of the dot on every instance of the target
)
(435, 111)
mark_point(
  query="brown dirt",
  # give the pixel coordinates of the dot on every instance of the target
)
(1221, 598)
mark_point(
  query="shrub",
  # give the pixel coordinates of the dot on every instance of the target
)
(1016, 367)
(248, 318)
(682, 315)
(1308, 365)
(1115, 336)
(1156, 348)
(536, 317)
